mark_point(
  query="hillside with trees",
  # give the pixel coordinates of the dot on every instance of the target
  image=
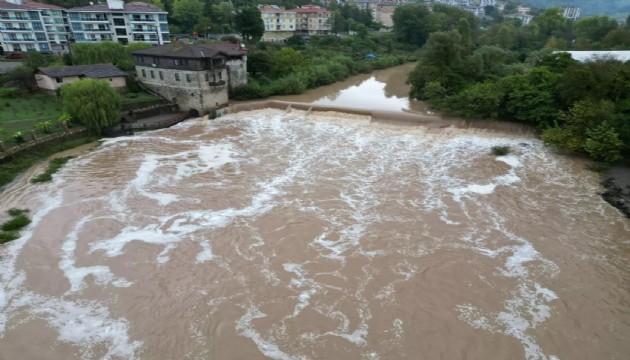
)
(510, 72)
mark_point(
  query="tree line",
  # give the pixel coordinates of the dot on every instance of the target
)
(512, 72)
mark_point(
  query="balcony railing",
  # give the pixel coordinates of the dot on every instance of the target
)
(94, 19)
(97, 30)
(12, 29)
(142, 20)
(15, 18)
(12, 40)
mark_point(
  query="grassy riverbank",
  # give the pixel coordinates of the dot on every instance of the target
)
(11, 168)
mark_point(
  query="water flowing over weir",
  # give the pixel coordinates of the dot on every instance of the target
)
(316, 235)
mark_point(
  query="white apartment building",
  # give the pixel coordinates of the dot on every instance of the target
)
(119, 21)
(280, 24)
(31, 26)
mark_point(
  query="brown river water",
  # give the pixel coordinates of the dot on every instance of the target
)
(321, 235)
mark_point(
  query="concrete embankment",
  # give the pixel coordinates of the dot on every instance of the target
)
(391, 117)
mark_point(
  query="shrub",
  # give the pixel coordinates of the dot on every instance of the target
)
(6, 236)
(15, 211)
(46, 126)
(501, 150)
(248, 92)
(16, 223)
(8, 92)
(289, 85)
(19, 137)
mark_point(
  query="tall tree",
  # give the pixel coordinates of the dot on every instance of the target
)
(93, 103)
(249, 24)
(413, 23)
(187, 13)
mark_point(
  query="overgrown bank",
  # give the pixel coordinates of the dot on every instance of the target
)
(11, 167)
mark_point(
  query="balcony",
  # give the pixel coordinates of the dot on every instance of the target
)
(94, 19)
(15, 40)
(144, 30)
(15, 29)
(15, 18)
(97, 30)
(142, 20)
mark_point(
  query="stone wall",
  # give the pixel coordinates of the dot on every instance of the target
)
(195, 90)
(237, 71)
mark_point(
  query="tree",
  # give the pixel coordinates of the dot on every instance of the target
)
(187, 13)
(92, 103)
(603, 143)
(285, 60)
(250, 24)
(413, 23)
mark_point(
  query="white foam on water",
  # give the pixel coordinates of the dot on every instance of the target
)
(206, 252)
(245, 328)
(76, 275)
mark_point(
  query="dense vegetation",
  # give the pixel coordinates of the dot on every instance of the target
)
(92, 103)
(510, 72)
(278, 70)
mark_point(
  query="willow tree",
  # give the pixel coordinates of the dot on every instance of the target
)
(93, 103)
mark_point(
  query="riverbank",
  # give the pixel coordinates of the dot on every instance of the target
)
(14, 166)
(616, 181)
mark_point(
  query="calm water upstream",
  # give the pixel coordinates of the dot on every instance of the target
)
(268, 234)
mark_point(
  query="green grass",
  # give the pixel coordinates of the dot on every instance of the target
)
(21, 113)
(9, 169)
(16, 223)
(130, 97)
(30, 106)
(53, 167)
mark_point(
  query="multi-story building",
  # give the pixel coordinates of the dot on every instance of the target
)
(280, 24)
(31, 26)
(571, 12)
(195, 77)
(119, 21)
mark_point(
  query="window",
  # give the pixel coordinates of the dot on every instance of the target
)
(79, 36)
(59, 80)
(188, 77)
(37, 26)
(33, 15)
(152, 74)
(144, 73)
(119, 22)
(30, 47)
(176, 77)
(40, 36)
(43, 46)
(76, 26)
(75, 16)
(207, 77)
(220, 75)
(176, 62)
(121, 32)
(161, 75)
(164, 27)
(162, 17)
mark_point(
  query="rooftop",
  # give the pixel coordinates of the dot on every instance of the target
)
(192, 51)
(132, 7)
(95, 71)
(27, 5)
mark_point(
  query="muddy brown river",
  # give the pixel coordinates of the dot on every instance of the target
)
(316, 235)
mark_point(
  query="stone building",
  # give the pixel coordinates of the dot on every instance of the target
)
(195, 77)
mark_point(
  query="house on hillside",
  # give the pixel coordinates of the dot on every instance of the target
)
(50, 79)
(195, 77)
(586, 56)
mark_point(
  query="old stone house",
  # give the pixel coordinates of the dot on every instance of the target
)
(195, 77)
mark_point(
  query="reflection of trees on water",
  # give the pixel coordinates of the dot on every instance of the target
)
(394, 82)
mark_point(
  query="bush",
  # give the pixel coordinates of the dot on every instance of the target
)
(248, 92)
(16, 223)
(8, 92)
(6, 236)
(289, 85)
(15, 211)
(500, 150)
(19, 137)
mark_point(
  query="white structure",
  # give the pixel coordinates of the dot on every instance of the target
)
(571, 12)
(119, 21)
(31, 26)
(280, 24)
(586, 56)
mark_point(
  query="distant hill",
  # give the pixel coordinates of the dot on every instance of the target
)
(617, 8)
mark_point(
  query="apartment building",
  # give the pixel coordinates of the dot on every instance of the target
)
(119, 21)
(280, 24)
(27, 25)
(31, 26)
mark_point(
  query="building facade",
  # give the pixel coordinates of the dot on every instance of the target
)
(280, 24)
(195, 77)
(50, 79)
(119, 21)
(32, 26)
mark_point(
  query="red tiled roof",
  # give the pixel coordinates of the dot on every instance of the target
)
(303, 9)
